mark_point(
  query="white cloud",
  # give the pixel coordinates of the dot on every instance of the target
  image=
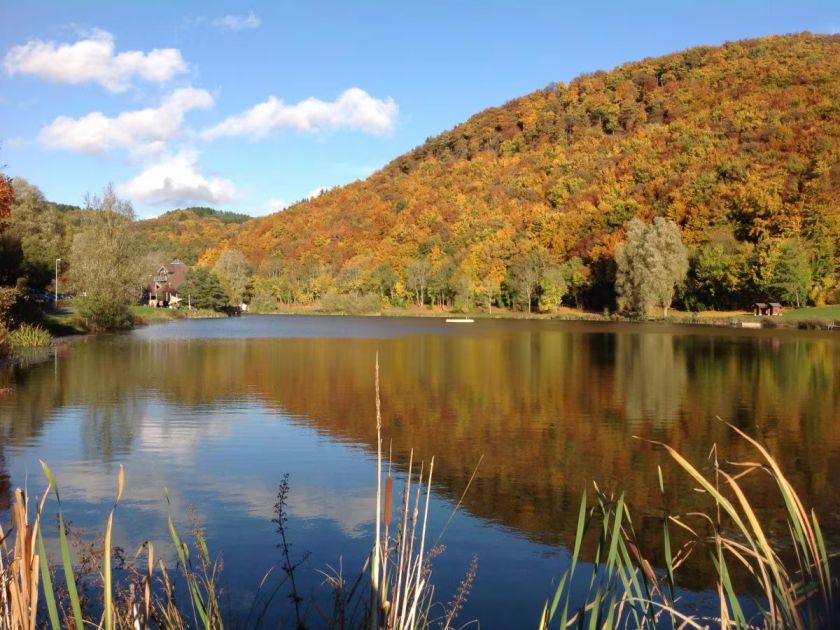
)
(273, 205)
(94, 60)
(237, 22)
(177, 180)
(144, 132)
(316, 193)
(353, 109)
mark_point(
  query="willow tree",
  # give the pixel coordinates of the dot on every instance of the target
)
(650, 264)
(103, 263)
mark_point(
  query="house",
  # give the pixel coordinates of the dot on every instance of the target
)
(770, 309)
(164, 284)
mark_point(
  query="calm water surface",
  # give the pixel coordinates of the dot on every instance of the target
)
(218, 410)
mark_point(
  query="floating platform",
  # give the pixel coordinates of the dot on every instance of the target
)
(460, 320)
(750, 324)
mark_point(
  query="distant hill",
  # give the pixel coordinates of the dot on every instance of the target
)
(64, 207)
(739, 144)
(203, 212)
(185, 232)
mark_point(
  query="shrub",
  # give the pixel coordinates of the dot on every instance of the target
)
(29, 336)
(9, 297)
(99, 315)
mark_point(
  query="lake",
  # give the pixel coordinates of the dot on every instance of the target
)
(217, 411)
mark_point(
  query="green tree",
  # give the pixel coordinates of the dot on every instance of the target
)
(417, 274)
(577, 277)
(103, 263)
(383, 278)
(650, 263)
(554, 288)
(234, 270)
(463, 291)
(440, 281)
(716, 274)
(792, 273)
(525, 275)
(40, 229)
(490, 278)
(203, 289)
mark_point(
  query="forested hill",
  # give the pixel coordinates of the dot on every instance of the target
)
(185, 233)
(738, 144)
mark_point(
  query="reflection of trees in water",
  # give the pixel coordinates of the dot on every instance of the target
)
(550, 409)
(651, 376)
(108, 427)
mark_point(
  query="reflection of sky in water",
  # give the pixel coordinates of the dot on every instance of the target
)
(221, 467)
(217, 411)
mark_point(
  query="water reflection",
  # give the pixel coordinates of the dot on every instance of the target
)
(550, 406)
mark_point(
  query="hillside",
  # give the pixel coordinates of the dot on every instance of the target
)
(185, 233)
(739, 144)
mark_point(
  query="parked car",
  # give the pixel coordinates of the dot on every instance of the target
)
(41, 297)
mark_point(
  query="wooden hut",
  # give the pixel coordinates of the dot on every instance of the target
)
(767, 309)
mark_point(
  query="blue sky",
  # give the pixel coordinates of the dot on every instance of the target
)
(247, 106)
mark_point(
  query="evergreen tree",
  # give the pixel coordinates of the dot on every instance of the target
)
(203, 289)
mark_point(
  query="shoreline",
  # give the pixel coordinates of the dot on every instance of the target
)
(732, 320)
(726, 319)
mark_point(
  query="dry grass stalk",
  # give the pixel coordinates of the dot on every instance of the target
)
(19, 568)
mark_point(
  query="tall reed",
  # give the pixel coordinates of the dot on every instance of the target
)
(624, 590)
(401, 591)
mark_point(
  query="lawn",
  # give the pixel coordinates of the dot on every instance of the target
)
(815, 312)
(149, 315)
(61, 324)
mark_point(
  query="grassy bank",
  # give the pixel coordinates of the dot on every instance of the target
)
(66, 323)
(830, 313)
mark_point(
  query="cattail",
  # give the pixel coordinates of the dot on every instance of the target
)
(389, 486)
